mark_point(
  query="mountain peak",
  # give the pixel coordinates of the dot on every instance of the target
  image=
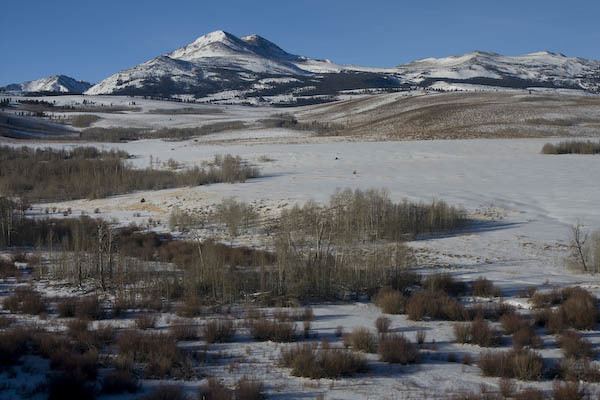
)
(53, 83)
(213, 44)
(216, 36)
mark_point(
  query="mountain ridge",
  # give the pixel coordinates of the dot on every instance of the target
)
(223, 68)
(226, 68)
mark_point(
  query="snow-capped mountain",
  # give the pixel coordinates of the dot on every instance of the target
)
(540, 69)
(50, 84)
(224, 68)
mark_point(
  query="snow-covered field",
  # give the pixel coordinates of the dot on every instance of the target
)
(531, 200)
(527, 202)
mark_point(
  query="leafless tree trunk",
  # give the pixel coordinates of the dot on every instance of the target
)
(579, 238)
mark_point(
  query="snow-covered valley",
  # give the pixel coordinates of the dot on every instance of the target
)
(524, 204)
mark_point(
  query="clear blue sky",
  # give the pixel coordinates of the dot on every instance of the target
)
(93, 39)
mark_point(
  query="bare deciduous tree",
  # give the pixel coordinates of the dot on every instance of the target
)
(579, 238)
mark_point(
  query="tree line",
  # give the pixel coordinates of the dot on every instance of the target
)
(86, 172)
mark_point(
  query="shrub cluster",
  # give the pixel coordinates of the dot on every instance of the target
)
(85, 172)
(117, 134)
(361, 339)
(7, 268)
(390, 301)
(66, 307)
(84, 120)
(25, 300)
(73, 364)
(512, 322)
(310, 361)
(578, 370)
(572, 147)
(145, 321)
(13, 344)
(477, 332)
(397, 349)
(291, 122)
(482, 287)
(445, 283)
(578, 311)
(550, 298)
(158, 352)
(519, 364)
(235, 215)
(371, 214)
(575, 346)
(526, 336)
(269, 330)
(382, 324)
(184, 329)
(568, 391)
(435, 305)
(218, 330)
(89, 307)
(289, 315)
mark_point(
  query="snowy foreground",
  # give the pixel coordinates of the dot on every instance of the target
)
(527, 200)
